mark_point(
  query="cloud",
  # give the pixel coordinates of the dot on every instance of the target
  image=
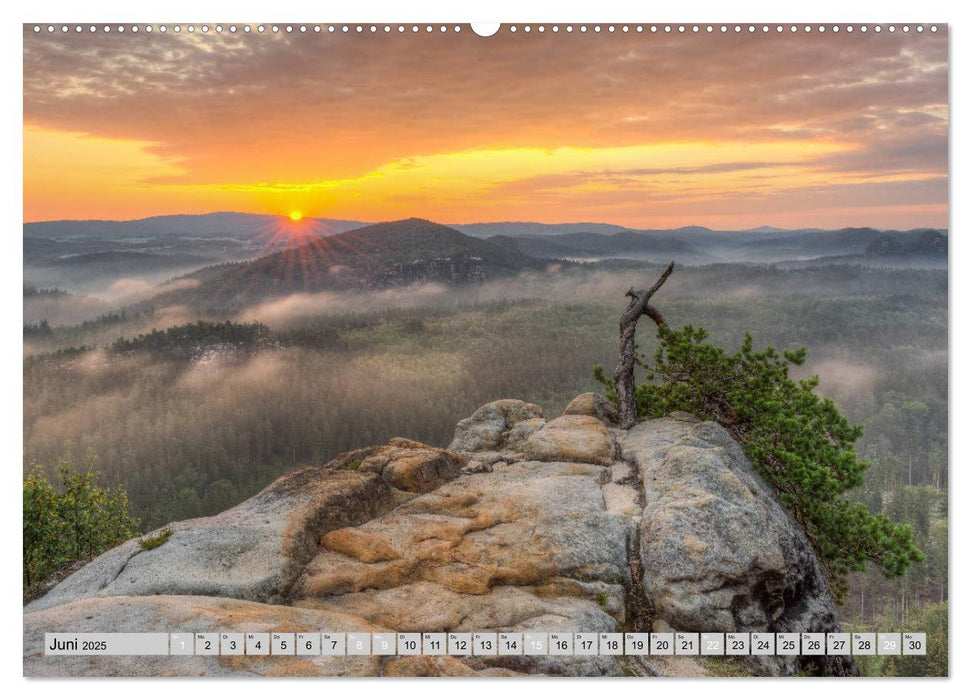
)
(840, 377)
(282, 310)
(128, 290)
(694, 170)
(280, 89)
(240, 110)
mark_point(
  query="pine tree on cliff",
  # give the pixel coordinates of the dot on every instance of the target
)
(799, 442)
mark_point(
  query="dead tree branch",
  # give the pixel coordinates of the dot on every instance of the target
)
(624, 374)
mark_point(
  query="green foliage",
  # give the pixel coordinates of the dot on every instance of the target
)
(186, 340)
(318, 338)
(79, 520)
(907, 439)
(150, 543)
(799, 442)
(931, 619)
(43, 546)
(38, 330)
(726, 667)
(59, 355)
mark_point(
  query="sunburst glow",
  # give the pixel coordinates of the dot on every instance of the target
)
(296, 215)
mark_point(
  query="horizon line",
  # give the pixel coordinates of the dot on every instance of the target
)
(478, 223)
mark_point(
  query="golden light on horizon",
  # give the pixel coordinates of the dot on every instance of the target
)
(650, 183)
(653, 134)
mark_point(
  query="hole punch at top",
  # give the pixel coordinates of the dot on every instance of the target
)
(485, 28)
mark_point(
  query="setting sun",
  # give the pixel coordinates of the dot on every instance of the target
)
(296, 215)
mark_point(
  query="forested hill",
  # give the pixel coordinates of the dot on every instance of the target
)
(585, 244)
(699, 246)
(927, 243)
(380, 256)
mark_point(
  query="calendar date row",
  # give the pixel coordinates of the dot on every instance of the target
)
(487, 643)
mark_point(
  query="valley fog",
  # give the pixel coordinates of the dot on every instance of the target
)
(338, 370)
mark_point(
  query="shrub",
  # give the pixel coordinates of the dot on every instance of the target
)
(79, 520)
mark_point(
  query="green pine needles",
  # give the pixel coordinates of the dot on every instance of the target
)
(799, 442)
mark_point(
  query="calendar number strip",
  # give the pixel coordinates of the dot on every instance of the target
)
(486, 644)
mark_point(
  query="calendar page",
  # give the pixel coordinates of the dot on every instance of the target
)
(485, 350)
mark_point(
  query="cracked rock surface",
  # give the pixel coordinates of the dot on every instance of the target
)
(521, 525)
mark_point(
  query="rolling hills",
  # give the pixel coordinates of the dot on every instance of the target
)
(88, 256)
(215, 225)
(380, 256)
(225, 260)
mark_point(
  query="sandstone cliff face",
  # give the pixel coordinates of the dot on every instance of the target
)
(718, 550)
(522, 525)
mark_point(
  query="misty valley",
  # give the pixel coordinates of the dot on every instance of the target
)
(192, 360)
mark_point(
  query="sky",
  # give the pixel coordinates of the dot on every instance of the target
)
(643, 130)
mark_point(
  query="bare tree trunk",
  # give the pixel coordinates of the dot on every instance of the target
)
(624, 374)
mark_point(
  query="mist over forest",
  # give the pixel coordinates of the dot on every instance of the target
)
(193, 394)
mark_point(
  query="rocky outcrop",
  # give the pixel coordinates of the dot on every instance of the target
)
(719, 552)
(490, 426)
(591, 404)
(582, 439)
(251, 552)
(462, 269)
(412, 466)
(521, 525)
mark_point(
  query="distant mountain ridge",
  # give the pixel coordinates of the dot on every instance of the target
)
(92, 250)
(379, 256)
(277, 256)
(929, 243)
(698, 245)
(231, 224)
(582, 245)
(533, 228)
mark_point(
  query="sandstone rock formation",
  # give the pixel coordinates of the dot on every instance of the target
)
(521, 525)
(591, 404)
(719, 552)
(251, 552)
(582, 439)
(490, 426)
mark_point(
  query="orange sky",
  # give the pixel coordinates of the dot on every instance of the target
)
(637, 129)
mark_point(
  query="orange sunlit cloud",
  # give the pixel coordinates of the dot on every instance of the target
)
(637, 130)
